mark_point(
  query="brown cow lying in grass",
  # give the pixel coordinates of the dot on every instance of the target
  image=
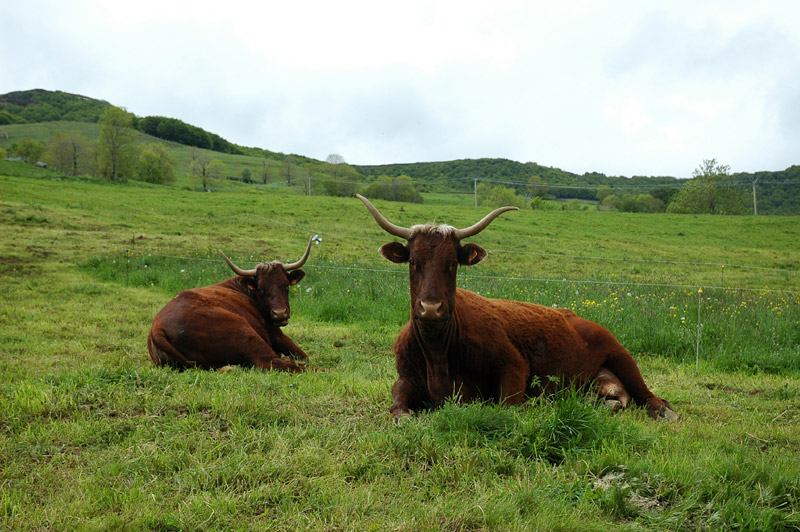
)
(236, 321)
(458, 342)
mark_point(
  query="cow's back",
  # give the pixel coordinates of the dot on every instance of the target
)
(547, 338)
(193, 327)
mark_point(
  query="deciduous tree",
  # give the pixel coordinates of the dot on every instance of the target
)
(67, 153)
(156, 165)
(602, 192)
(536, 186)
(264, 170)
(709, 192)
(115, 143)
(29, 149)
(399, 188)
(342, 180)
(205, 169)
(499, 196)
(288, 169)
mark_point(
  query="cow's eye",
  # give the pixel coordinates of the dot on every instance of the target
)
(411, 262)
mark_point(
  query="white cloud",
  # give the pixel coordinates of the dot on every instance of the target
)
(624, 88)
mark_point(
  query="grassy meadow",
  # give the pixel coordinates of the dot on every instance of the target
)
(93, 437)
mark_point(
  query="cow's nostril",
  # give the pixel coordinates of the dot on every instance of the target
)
(430, 310)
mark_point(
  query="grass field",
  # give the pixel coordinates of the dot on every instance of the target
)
(93, 437)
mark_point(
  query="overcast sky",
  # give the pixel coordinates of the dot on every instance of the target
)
(619, 87)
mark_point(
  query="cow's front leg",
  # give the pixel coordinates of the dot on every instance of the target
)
(406, 396)
(276, 362)
(263, 356)
(512, 387)
(285, 346)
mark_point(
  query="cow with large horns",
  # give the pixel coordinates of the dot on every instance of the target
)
(236, 321)
(458, 343)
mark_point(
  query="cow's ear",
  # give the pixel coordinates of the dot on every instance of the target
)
(295, 276)
(395, 252)
(470, 254)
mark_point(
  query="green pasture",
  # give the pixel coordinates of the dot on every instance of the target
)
(93, 437)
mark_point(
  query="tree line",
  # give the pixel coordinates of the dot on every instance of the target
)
(777, 192)
(713, 189)
(178, 131)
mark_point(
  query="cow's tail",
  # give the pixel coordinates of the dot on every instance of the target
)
(162, 352)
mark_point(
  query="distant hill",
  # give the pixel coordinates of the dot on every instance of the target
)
(460, 175)
(778, 192)
(39, 105)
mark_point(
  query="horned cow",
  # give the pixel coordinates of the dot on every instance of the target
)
(459, 343)
(236, 321)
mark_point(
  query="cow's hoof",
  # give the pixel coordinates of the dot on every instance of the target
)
(399, 419)
(400, 414)
(662, 412)
(668, 415)
(613, 405)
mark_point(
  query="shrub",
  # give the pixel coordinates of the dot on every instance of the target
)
(398, 189)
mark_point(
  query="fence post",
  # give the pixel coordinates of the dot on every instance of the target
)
(697, 359)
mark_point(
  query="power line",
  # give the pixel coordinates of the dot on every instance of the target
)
(654, 261)
(678, 183)
(468, 276)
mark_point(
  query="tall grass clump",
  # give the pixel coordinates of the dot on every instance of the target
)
(552, 428)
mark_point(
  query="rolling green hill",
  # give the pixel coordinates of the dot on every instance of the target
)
(39, 114)
(40, 105)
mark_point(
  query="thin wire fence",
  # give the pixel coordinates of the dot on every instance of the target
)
(401, 271)
(558, 256)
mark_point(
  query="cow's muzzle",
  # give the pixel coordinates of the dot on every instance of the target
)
(280, 317)
(430, 310)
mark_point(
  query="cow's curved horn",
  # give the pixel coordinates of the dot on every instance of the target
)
(480, 226)
(389, 227)
(237, 270)
(303, 259)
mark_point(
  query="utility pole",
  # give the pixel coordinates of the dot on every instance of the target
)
(755, 205)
